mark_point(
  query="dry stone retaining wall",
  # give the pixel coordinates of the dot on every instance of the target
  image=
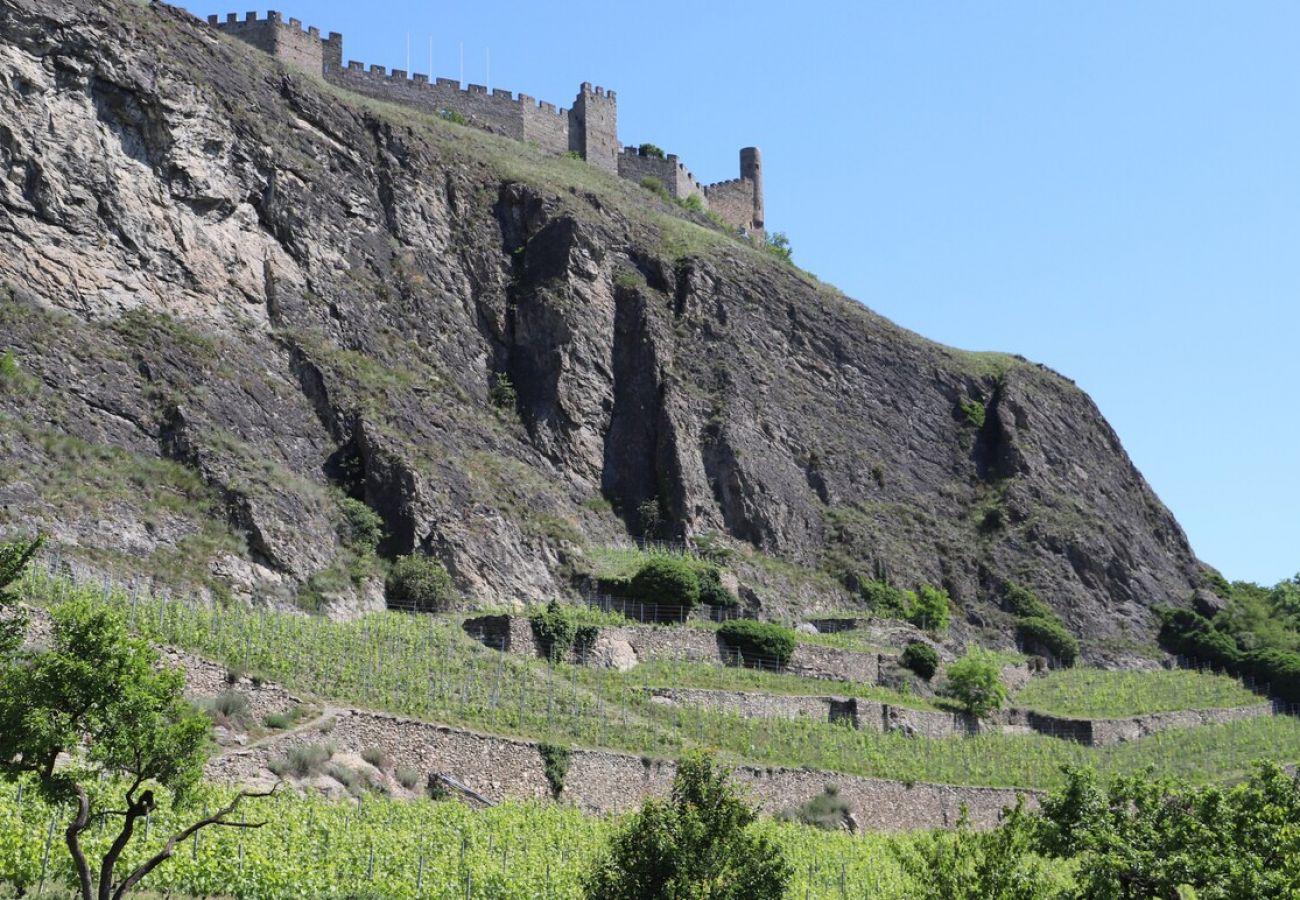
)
(606, 782)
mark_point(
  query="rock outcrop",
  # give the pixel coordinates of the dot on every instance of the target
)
(235, 295)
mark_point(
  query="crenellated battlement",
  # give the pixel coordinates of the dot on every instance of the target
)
(589, 127)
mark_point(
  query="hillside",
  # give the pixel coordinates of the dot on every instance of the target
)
(236, 295)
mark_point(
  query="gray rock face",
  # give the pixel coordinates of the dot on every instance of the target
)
(237, 295)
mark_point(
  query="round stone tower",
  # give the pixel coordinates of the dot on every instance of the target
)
(751, 169)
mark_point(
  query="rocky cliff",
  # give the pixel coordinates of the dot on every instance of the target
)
(234, 295)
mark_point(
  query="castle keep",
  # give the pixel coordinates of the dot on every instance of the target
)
(588, 128)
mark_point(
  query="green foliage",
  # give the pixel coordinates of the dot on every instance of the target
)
(974, 412)
(698, 844)
(964, 864)
(930, 608)
(1050, 638)
(572, 154)
(303, 761)
(1023, 603)
(666, 580)
(555, 765)
(656, 187)
(1137, 837)
(759, 643)
(556, 628)
(14, 558)
(453, 116)
(693, 202)
(921, 658)
(885, 600)
(649, 517)
(420, 583)
(407, 777)
(10, 371)
(362, 528)
(828, 810)
(778, 245)
(100, 698)
(229, 708)
(377, 757)
(712, 591)
(974, 681)
(502, 393)
(651, 150)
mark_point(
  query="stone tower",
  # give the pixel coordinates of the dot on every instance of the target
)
(751, 169)
(593, 127)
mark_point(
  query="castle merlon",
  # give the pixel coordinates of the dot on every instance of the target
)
(588, 128)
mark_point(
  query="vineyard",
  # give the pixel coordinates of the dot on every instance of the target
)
(427, 668)
(311, 847)
(1101, 694)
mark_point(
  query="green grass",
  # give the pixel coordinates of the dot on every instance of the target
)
(311, 847)
(1100, 694)
(429, 669)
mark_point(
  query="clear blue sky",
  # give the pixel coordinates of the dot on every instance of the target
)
(1110, 188)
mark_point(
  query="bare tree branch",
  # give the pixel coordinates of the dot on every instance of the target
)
(217, 818)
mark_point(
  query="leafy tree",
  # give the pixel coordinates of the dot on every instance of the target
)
(423, 584)
(964, 864)
(99, 698)
(778, 244)
(1050, 637)
(14, 558)
(555, 628)
(759, 643)
(1137, 837)
(929, 608)
(975, 682)
(712, 590)
(362, 528)
(695, 846)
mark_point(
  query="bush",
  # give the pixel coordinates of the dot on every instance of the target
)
(778, 245)
(555, 629)
(230, 709)
(302, 761)
(420, 583)
(697, 844)
(362, 527)
(651, 150)
(884, 599)
(1023, 603)
(666, 580)
(1050, 638)
(712, 591)
(278, 720)
(693, 202)
(376, 757)
(759, 643)
(555, 764)
(975, 682)
(974, 413)
(930, 608)
(921, 658)
(656, 187)
(502, 393)
(451, 115)
(827, 811)
(407, 777)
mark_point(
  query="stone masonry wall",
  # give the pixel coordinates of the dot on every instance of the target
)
(498, 111)
(670, 171)
(601, 782)
(514, 634)
(733, 201)
(284, 40)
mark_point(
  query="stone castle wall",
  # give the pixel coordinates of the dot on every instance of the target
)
(589, 128)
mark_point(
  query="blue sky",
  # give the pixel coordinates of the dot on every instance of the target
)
(1110, 188)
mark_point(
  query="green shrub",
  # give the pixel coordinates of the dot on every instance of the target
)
(921, 658)
(407, 777)
(974, 412)
(697, 844)
(555, 764)
(1048, 637)
(451, 115)
(666, 580)
(278, 720)
(778, 245)
(555, 628)
(693, 202)
(362, 527)
(229, 708)
(649, 517)
(9, 368)
(302, 761)
(827, 811)
(930, 608)
(884, 599)
(656, 187)
(421, 583)
(759, 643)
(502, 393)
(712, 591)
(1023, 603)
(651, 150)
(975, 682)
